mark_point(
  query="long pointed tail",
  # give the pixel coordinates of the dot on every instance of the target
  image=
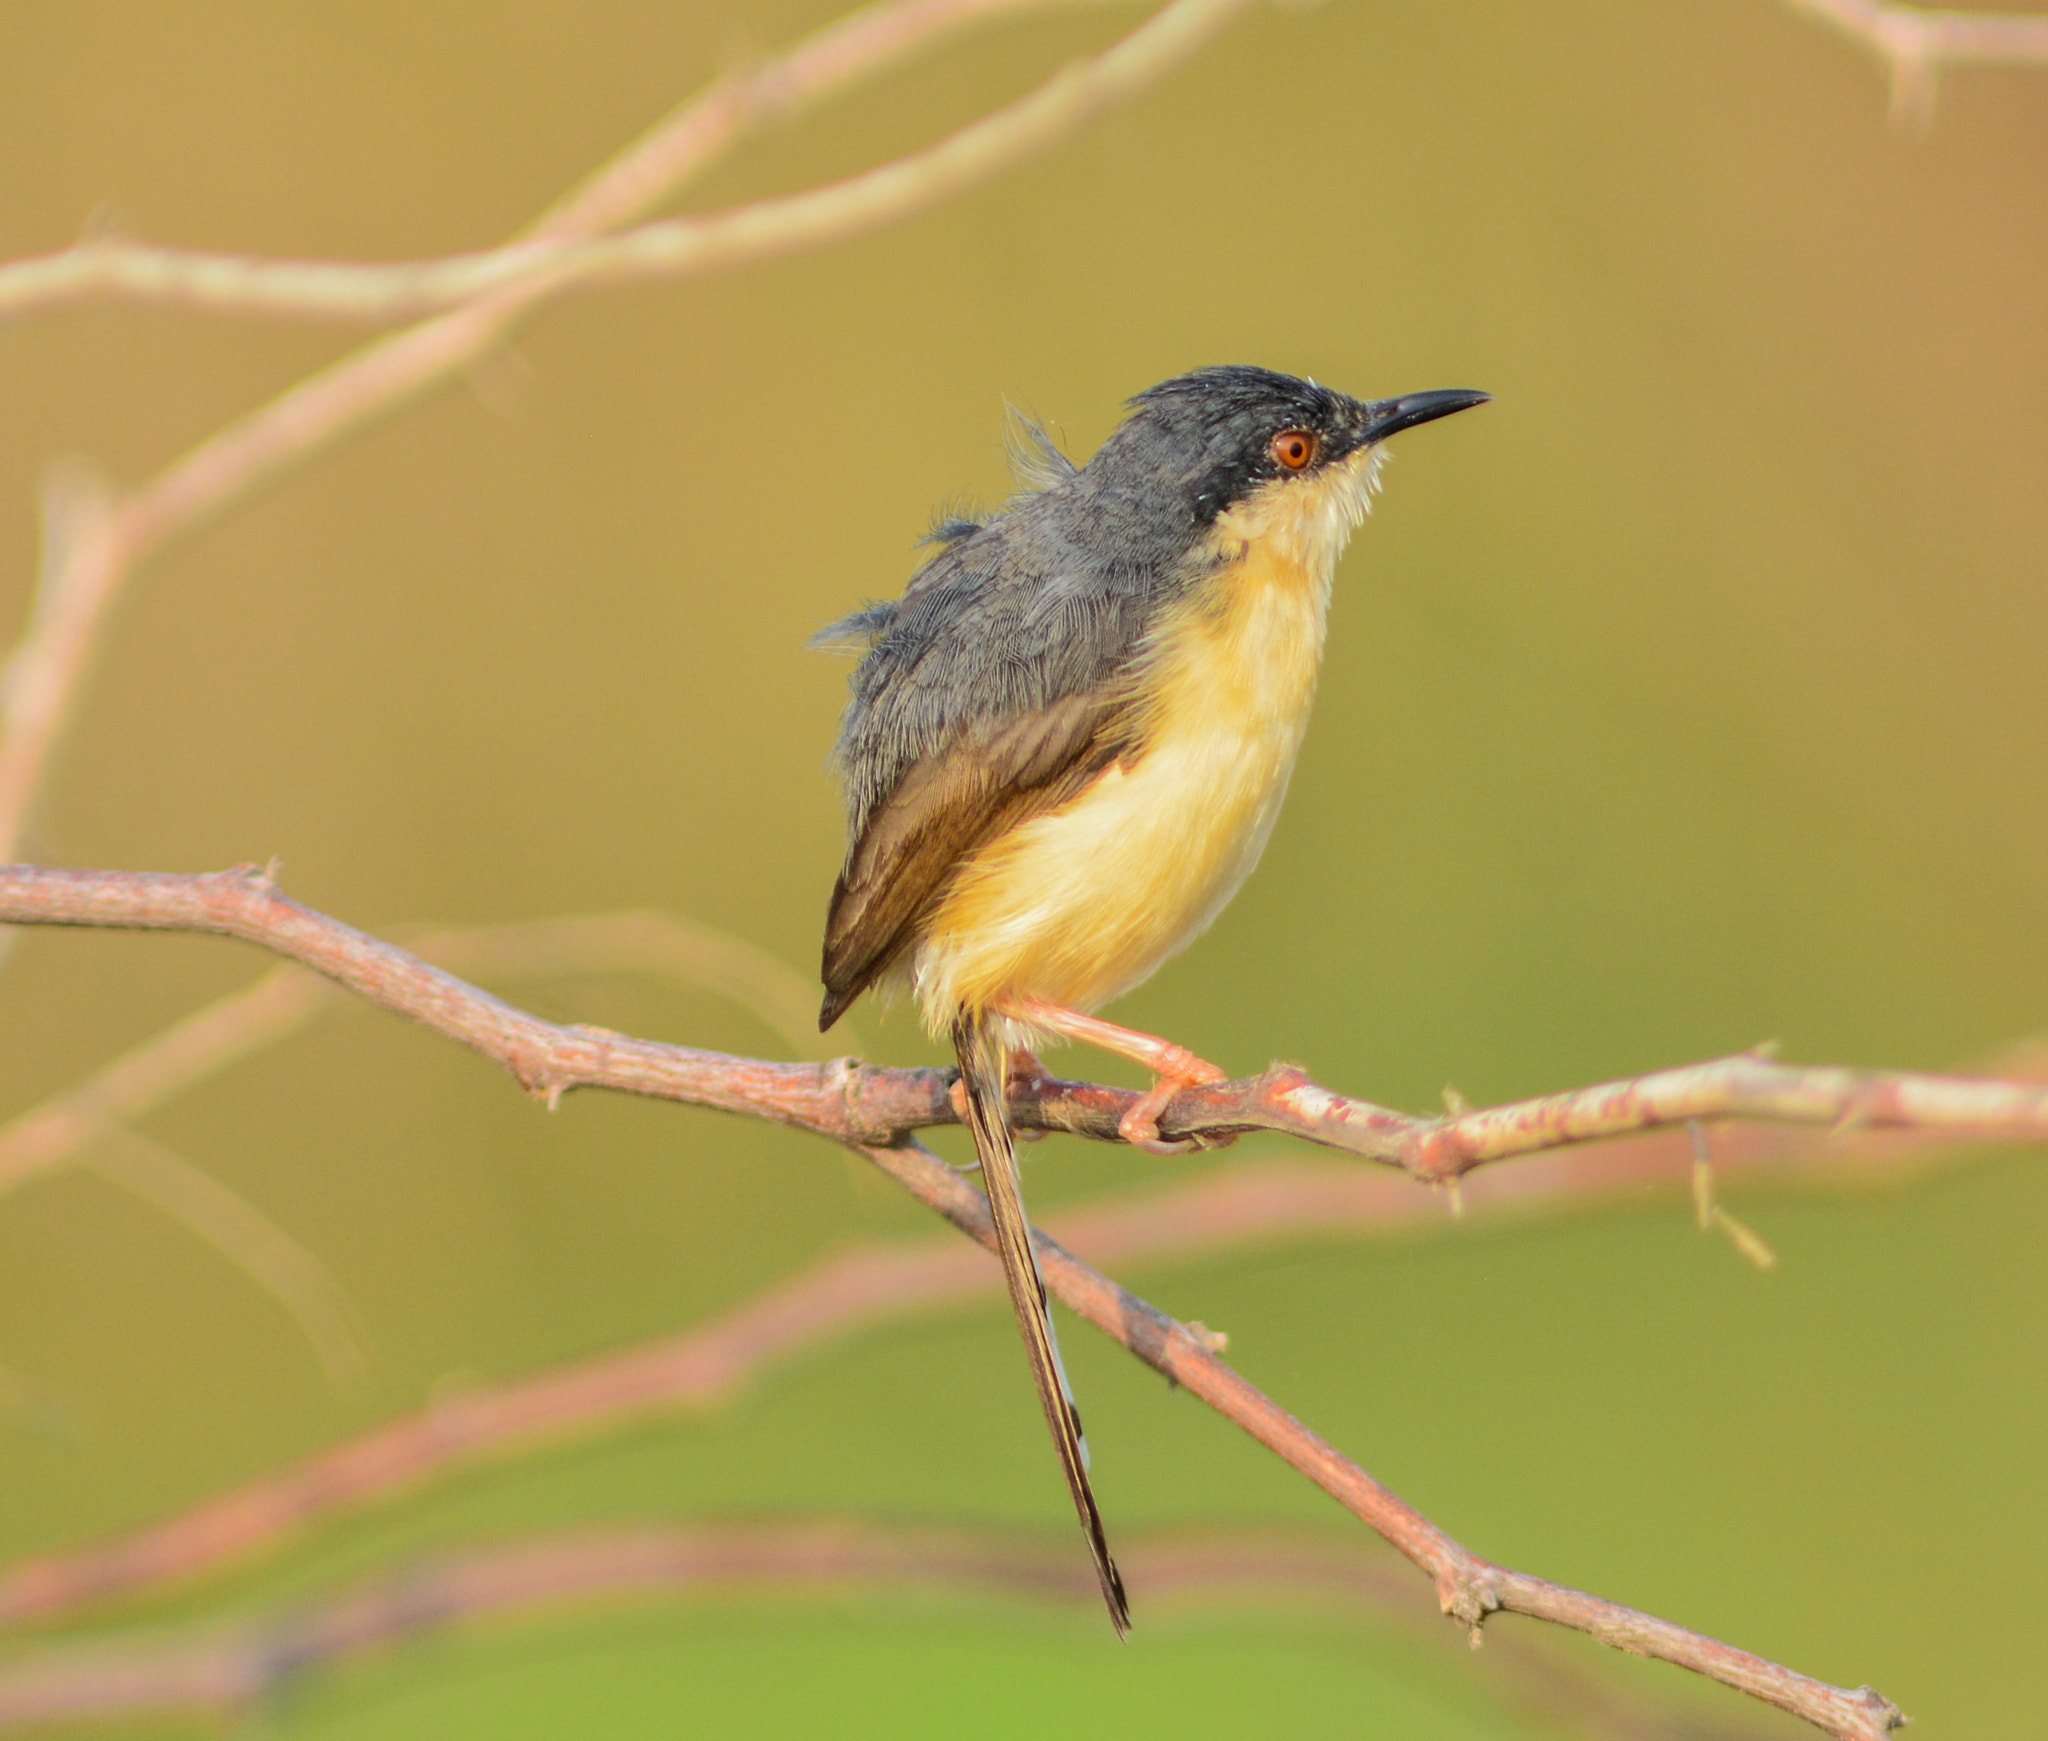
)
(984, 1065)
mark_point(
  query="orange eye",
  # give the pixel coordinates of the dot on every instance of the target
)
(1296, 449)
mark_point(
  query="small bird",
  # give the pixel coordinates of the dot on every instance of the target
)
(1067, 744)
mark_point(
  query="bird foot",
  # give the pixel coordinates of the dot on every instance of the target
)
(1139, 1126)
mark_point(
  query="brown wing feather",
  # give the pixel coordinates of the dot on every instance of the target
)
(941, 811)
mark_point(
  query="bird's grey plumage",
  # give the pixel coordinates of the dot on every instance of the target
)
(994, 687)
(1053, 595)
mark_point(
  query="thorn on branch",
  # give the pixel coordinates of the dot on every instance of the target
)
(846, 1080)
(1746, 1240)
(1858, 1115)
(106, 222)
(1914, 84)
(1468, 1600)
(1702, 1174)
(1709, 1214)
(536, 1076)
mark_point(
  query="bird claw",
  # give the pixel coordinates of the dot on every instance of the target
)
(1139, 1125)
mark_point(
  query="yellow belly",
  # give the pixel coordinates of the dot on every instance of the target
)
(1079, 905)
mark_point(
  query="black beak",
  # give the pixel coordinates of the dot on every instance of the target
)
(1385, 417)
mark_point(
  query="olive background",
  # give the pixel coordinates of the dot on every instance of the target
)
(1688, 696)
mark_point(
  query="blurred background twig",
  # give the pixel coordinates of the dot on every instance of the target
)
(222, 1670)
(92, 540)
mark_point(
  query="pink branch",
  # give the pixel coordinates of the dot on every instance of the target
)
(222, 1670)
(1228, 1209)
(866, 1105)
(839, 1101)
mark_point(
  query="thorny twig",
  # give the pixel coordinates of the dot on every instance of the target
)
(840, 1101)
(1229, 1208)
(864, 1105)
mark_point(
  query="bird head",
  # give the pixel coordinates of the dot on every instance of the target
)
(1250, 453)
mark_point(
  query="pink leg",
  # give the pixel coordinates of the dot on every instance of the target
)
(1176, 1066)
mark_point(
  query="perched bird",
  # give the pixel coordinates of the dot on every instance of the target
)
(1067, 744)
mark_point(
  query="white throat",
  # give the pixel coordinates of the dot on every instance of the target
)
(1308, 521)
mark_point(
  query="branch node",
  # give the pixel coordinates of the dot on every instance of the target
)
(259, 879)
(842, 1079)
(541, 1077)
(1468, 1599)
(1289, 1087)
(1702, 1174)
(877, 1108)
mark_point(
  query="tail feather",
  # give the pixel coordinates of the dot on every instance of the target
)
(983, 1069)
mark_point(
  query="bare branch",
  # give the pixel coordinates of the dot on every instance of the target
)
(548, 265)
(1468, 1588)
(1917, 44)
(866, 1105)
(1230, 1208)
(550, 1060)
(221, 1670)
(1914, 43)
(88, 563)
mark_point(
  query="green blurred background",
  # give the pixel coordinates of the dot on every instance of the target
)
(1690, 695)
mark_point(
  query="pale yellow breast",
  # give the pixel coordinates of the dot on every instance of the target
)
(1081, 904)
